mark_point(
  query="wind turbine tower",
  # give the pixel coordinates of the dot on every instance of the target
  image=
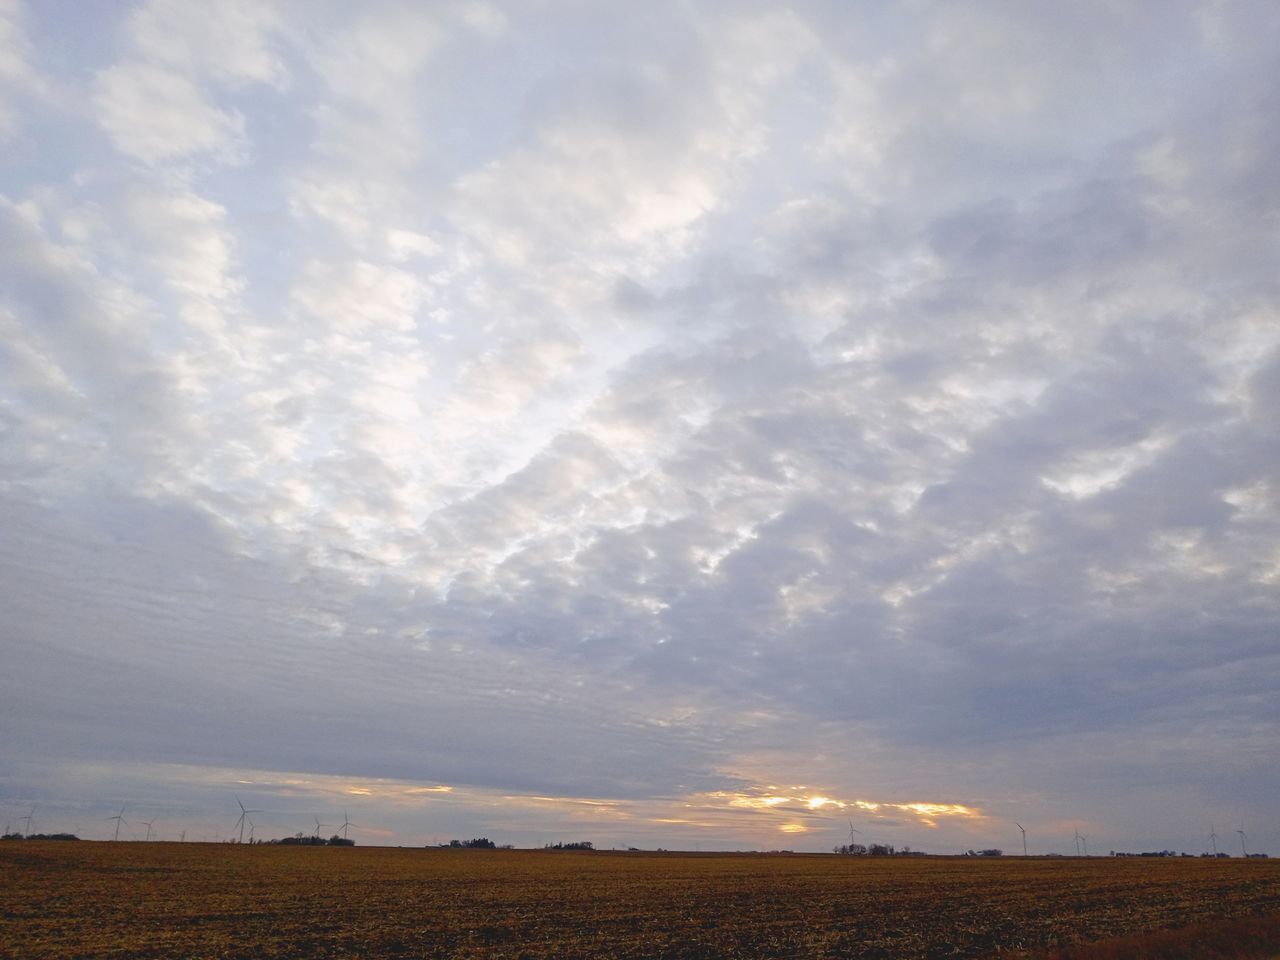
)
(1024, 836)
(244, 815)
(346, 822)
(119, 819)
(1213, 840)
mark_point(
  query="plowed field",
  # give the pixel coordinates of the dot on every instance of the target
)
(103, 900)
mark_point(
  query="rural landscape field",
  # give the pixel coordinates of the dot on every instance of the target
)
(239, 901)
(629, 436)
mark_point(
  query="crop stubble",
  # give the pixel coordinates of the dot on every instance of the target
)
(231, 901)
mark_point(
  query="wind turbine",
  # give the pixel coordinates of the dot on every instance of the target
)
(182, 837)
(1243, 852)
(147, 824)
(852, 831)
(1213, 840)
(244, 815)
(346, 823)
(119, 819)
(1024, 837)
(318, 825)
(1084, 842)
(1076, 832)
(27, 829)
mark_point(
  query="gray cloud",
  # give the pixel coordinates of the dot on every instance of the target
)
(692, 408)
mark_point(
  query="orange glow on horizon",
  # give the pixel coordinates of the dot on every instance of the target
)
(926, 813)
(744, 814)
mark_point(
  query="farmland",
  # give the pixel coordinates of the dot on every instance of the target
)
(231, 901)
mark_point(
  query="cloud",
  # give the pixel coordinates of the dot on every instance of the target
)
(80, 336)
(621, 412)
(16, 70)
(371, 152)
(159, 104)
(190, 245)
(231, 41)
(155, 114)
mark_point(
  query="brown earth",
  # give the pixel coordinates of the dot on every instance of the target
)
(102, 900)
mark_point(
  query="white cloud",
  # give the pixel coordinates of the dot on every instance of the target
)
(359, 303)
(229, 40)
(591, 187)
(403, 245)
(370, 119)
(378, 55)
(187, 237)
(159, 105)
(19, 75)
(154, 113)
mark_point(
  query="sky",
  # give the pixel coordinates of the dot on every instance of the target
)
(685, 425)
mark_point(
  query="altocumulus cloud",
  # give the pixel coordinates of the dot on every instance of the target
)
(705, 426)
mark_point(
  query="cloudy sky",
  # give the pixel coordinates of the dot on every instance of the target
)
(667, 424)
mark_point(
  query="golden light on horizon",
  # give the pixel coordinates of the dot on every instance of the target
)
(798, 800)
(939, 809)
(750, 801)
(575, 801)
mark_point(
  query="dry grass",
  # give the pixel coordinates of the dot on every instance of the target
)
(203, 901)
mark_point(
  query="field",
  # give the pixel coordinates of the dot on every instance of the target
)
(69, 900)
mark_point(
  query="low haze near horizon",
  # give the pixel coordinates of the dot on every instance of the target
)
(704, 425)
